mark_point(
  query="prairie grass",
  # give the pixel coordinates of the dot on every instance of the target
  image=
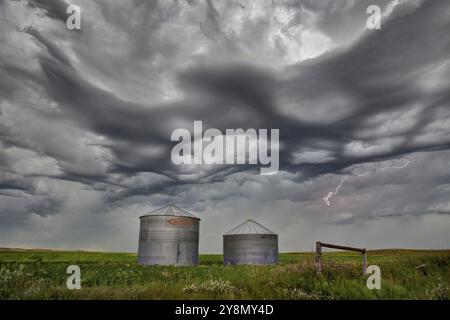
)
(406, 274)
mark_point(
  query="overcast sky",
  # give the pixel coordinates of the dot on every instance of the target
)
(86, 118)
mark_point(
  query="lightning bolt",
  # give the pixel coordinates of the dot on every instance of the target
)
(331, 194)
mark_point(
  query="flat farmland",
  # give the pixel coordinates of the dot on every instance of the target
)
(405, 274)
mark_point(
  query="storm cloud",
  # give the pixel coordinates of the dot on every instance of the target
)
(86, 117)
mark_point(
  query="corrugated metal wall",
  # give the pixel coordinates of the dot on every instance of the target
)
(168, 240)
(250, 249)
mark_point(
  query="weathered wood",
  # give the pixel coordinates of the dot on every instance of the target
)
(364, 264)
(318, 255)
(335, 246)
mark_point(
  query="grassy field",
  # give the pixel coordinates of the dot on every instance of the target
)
(41, 274)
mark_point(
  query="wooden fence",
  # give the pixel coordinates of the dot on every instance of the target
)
(318, 256)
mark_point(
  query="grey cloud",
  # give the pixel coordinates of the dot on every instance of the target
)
(53, 9)
(101, 105)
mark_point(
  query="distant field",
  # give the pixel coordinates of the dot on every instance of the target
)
(406, 274)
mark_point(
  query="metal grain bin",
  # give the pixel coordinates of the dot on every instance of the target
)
(250, 243)
(168, 236)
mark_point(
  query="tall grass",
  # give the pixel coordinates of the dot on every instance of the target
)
(405, 275)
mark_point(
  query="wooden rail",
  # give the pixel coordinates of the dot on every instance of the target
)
(318, 256)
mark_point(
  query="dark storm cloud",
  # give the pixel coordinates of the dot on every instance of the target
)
(52, 49)
(377, 73)
(346, 73)
(53, 9)
(255, 89)
(86, 117)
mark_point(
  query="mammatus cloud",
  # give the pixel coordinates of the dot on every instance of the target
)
(86, 118)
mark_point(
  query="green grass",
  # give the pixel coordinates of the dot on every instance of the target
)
(41, 274)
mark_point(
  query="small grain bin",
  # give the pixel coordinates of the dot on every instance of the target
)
(250, 243)
(168, 236)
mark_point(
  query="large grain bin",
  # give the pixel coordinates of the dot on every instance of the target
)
(168, 236)
(250, 243)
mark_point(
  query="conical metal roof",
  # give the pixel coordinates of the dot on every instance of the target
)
(170, 210)
(249, 226)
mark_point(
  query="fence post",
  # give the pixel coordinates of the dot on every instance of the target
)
(364, 263)
(318, 257)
